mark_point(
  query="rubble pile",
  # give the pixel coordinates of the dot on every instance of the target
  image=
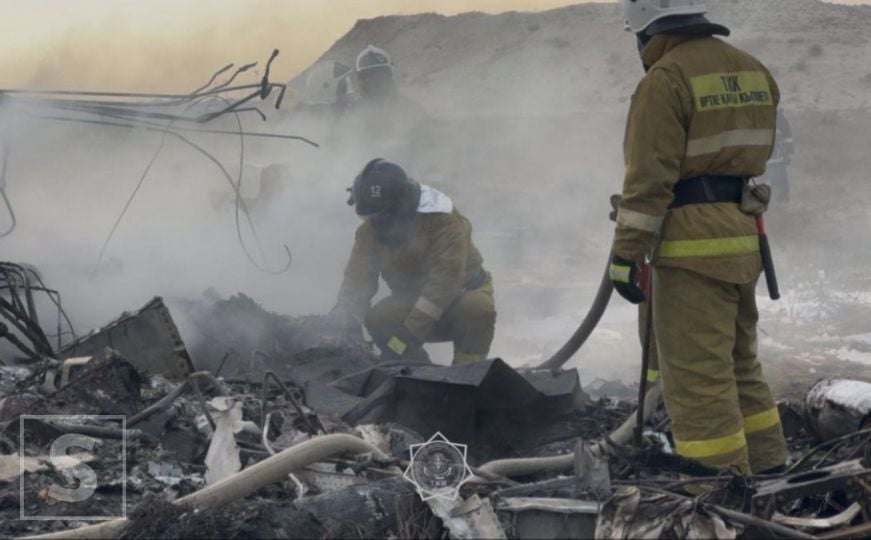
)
(237, 338)
(301, 431)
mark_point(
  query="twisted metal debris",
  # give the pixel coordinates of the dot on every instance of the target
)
(159, 113)
(18, 285)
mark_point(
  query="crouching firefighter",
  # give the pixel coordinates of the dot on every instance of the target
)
(700, 126)
(414, 238)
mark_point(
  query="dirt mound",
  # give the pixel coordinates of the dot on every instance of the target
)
(576, 58)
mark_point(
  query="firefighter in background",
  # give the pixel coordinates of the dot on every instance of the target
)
(777, 173)
(379, 91)
(388, 122)
(700, 125)
(328, 88)
(327, 98)
(415, 239)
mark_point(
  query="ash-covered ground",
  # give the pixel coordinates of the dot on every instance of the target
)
(171, 440)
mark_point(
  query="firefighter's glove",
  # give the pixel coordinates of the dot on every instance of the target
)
(624, 276)
(401, 344)
(615, 203)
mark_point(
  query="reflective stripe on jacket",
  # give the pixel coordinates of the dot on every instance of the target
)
(704, 108)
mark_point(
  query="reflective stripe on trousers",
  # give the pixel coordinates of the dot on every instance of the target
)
(764, 420)
(711, 447)
(721, 409)
(730, 443)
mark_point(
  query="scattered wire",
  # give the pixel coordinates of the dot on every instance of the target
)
(202, 402)
(131, 115)
(17, 281)
(239, 203)
(165, 132)
(230, 352)
(168, 99)
(313, 429)
(232, 107)
(3, 193)
(55, 297)
(265, 88)
(25, 326)
(8, 205)
(215, 76)
(226, 84)
(133, 195)
(49, 92)
(238, 230)
(833, 442)
(141, 124)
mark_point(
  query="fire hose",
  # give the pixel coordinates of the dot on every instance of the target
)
(594, 315)
(239, 485)
(600, 303)
(620, 436)
(573, 345)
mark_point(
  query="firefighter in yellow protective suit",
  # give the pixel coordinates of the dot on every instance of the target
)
(701, 124)
(414, 238)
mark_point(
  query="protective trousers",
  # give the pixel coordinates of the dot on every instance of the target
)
(469, 323)
(721, 409)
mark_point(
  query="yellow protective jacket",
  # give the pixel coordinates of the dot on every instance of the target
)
(433, 266)
(704, 108)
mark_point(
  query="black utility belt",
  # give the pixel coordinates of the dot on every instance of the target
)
(708, 190)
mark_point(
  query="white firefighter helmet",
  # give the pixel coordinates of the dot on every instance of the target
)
(640, 14)
(373, 57)
(327, 83)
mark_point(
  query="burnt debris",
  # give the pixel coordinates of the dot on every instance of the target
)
(216, 418)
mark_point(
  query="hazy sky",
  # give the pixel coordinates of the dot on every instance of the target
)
(175, 44)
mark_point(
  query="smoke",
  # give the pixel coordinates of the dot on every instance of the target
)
(69, 183)
(523, 131)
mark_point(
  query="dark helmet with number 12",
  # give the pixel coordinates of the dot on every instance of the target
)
(381, 188)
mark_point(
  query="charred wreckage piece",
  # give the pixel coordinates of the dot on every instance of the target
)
(307, 434)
